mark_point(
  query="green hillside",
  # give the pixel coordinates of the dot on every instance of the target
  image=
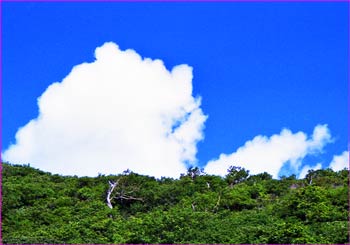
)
(39, 207)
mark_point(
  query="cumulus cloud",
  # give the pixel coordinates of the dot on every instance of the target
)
(340, 162)
(120, 111)
(270, 153)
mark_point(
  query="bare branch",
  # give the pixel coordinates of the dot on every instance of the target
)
(129, 198)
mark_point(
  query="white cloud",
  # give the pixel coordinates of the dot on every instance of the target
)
(306, 168)
(340, 162)
(271, 153)
(115, 113)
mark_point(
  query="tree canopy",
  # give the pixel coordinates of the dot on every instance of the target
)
(40, 207)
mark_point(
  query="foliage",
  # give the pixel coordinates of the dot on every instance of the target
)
(39, 207)
(236, 175)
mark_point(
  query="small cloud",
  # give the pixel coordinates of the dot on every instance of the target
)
(340, 162)
(115, 113)
(306, 168)
(320, 137)
(270, 153)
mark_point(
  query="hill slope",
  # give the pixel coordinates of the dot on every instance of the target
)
(39, 207)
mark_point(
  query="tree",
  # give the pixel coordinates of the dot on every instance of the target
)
(260, 177)
(193, 172)
(236, 175)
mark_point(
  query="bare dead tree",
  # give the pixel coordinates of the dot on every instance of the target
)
(193, 205)
(217, 204)
(117, 190)
(310, 181)
(111, 188)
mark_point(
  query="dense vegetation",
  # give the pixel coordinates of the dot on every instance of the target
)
(40, 207)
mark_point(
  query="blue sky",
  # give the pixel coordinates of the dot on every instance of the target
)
(259, 68)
